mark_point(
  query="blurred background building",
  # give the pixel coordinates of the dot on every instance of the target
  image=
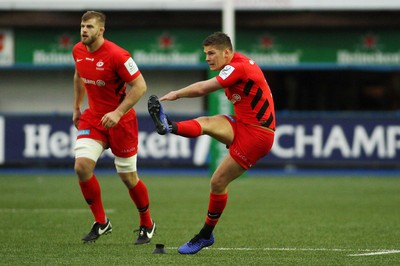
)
(332, 66)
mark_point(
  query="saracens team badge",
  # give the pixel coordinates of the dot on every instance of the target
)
(236, 98)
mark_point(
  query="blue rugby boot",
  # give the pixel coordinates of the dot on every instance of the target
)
(196, 244)
(156, 112)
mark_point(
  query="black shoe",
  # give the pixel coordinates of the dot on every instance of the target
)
(156, 112)
(97, 230)
(145, 234)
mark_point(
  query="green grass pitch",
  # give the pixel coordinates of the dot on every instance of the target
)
(274, 220)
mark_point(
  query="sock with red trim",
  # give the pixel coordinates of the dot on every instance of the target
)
(215, 208)
(140, 197)
(189, 128)
(92, 193)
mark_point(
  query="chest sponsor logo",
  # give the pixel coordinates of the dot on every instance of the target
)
(99, 82)
(236, 98)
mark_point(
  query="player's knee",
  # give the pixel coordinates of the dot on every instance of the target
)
(79, 168)
(129, 179)
(87, 151)
(83, 170)
(217, 185)
(125, 165)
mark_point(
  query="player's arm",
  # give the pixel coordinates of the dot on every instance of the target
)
(197, 89)
(138, 87)
(79, 96)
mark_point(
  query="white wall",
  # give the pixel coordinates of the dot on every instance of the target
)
(34, 91)
(197, 4)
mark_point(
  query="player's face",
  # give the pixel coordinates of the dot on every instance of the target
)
(90, 31)
(215, 58)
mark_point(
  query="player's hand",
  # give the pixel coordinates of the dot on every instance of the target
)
(110, 119)
(170, 96)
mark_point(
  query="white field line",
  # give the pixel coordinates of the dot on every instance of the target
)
(287, 249)
(375, 253)
(49, 210)
(365, 252)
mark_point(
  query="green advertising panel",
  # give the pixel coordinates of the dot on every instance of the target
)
(45, 47)
(182, 47)
(295, 47)
(156, 47)
(163, 47)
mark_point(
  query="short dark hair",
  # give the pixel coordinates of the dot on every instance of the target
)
(99, 16)
(219, 39)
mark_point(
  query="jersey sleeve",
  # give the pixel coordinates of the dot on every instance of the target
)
(230, 75)
(126, 66)
(75, 51)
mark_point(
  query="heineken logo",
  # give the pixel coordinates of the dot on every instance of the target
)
(41, 57)
(348, 57)
(65, 41)
(183, 47)
(58, 51)
(266, 52)
(370, 41)
(177, 58)
(276, 57)
(166, 51)
(368, 50)
(166, 41)
(266, 42)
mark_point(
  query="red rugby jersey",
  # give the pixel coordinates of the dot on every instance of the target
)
(246, 87)
(105, 73)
